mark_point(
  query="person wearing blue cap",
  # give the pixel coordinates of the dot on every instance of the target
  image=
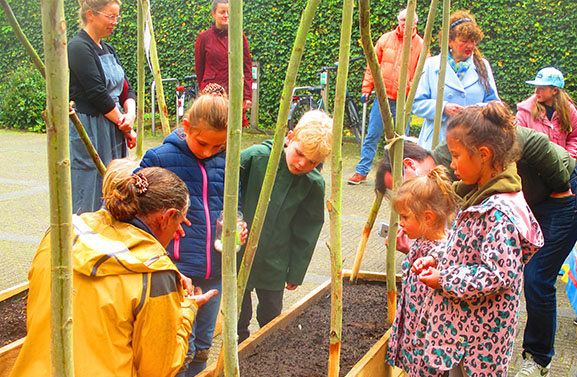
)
(550, 110)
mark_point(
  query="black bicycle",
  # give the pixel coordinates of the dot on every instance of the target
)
(305, 98)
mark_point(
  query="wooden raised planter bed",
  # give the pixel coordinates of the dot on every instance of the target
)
(371, 365)
(9, 352)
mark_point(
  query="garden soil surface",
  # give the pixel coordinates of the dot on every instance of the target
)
(302, 348)
(13, 318)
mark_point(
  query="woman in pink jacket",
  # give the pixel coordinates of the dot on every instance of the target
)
(550, 110)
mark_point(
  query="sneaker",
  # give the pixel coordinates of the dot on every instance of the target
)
(575, 321)
(357, 179)
(530, 368)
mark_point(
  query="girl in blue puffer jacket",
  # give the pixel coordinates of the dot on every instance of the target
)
(196, 154)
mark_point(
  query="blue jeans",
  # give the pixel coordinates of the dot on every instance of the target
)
(202, 328)
(558, 221)
(373, 136)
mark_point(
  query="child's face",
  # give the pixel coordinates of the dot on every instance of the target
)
(203, 140)
(470, 168)
(408, 221)
(297, 162)
(546, 94)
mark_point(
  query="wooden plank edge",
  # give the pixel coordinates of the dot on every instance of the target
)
(10, 292)
(8, 355)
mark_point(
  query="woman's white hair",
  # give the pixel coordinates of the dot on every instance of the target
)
(403, 15)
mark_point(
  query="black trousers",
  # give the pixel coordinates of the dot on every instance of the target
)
(269, 306)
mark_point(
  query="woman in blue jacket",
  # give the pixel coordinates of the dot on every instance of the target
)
(468, 79)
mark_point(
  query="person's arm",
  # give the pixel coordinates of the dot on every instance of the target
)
(199, 57)
(247, 68)
(305, 230)
(501, 263)
(572, 136)
(85, 67)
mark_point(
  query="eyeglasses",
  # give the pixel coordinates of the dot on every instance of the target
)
(111, 17)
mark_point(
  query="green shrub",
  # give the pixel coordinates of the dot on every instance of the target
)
(22, 100)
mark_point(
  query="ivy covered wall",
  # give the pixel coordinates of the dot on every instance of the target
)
(521, 37)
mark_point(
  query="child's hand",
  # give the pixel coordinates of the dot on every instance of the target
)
(243, 233)
(403, 241)
(291, 286)
(430, 276)
(199, 298)
(187, 283)
(423, 263)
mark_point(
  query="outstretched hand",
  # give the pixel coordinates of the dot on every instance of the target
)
(202, 298)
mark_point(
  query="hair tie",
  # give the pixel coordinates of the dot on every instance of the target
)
(459, 22)
(141, 183)
(214, 89)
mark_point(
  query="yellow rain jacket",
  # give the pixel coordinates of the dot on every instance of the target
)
(127, 297)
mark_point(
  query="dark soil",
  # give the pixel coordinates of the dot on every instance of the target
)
(13, 318)
(302, 348)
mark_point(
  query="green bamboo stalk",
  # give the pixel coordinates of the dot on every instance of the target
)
(162, 109)
(276, 152)
(278, 144)
(87, 143)
(229, 292)
(373, 63)
(22, 37)
(140, 79)
(365, 236)
(442, 72)
(335, 204)
(422, 57)
(56, 116)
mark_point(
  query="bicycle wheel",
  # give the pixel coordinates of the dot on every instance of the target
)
(354, 122)
(297, 110)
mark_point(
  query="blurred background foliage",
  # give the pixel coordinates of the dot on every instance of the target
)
(520, 38)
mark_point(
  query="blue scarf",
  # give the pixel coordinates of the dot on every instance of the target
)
(461, 67)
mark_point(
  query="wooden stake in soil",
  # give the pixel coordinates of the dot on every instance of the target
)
(335, 203)
(140, 79)
(442, 72)
(56, 116)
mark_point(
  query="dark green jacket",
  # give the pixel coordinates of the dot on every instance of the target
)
(544, 166)
(293, 221)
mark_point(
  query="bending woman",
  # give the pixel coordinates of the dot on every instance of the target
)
(129, 315)
(468, 79)
(104, 101)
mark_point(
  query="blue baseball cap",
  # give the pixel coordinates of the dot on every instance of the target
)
(548, 76)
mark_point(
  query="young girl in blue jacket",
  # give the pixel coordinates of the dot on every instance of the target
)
(196, 154)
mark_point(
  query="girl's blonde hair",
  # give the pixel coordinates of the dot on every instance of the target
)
(145, 192)
(314, 131)
(211, 107)
(493, 126)
(431, 192)
(561, 102)
(95, 5)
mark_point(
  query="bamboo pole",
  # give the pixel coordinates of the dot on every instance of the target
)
(56, 116)
(276, 152)
(87, 143)
(162, 109)
(140, 79)
(229, 292)
(365, 236)
(422, 57)
(335, 203)
(442, 72)
(22, 37)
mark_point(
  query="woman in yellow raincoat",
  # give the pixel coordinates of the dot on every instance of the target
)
(129, 316)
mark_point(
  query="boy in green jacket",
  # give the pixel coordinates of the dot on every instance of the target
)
(294, 217)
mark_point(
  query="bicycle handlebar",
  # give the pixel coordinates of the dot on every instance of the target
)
(335, 66)
(189, 78)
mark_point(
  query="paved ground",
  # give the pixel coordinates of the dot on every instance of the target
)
(24, 217)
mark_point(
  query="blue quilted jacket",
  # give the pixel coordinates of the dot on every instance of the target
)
(195, 256)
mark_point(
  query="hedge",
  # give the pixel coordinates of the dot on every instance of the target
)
(521, 37)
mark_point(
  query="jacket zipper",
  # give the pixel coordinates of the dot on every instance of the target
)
(207, 215)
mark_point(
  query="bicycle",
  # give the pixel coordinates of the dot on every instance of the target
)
(186, 94)
(304, 99)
